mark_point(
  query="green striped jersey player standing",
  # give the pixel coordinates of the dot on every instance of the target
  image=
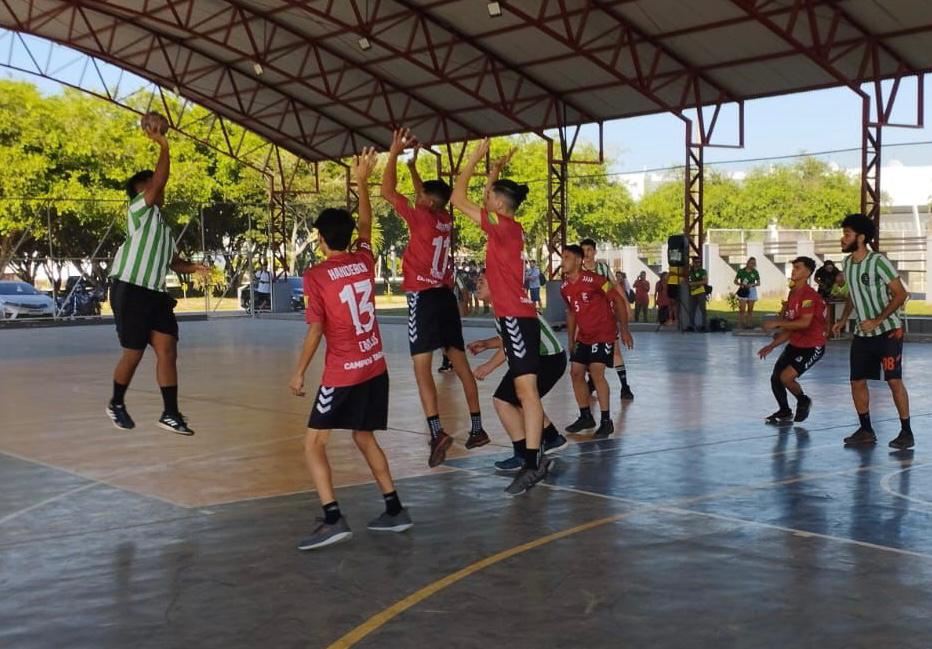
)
(876, 296)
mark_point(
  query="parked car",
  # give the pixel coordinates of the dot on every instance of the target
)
(80, 297)
(19, 299)
(297, 293)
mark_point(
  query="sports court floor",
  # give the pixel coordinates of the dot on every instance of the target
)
(696, 525)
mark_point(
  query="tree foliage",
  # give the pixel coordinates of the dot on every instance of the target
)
(79, 150)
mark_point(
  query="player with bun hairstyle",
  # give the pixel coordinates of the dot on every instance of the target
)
(504, 272)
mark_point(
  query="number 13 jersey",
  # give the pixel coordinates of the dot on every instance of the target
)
(340, 295)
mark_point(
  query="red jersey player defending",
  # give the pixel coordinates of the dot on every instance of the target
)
(504, 272)
(353, 391)
(596, 314)
(803, 324)
(433, 312)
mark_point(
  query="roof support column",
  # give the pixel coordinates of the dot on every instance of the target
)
(694, 177)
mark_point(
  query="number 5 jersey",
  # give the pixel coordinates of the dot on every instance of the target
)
(340, 295)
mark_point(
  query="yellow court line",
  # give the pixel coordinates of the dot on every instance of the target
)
(380, 619)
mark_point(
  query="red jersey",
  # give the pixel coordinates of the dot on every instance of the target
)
(340, 295)
(641, 291)
(426, 263)
(801, 301)
(590, 299)
(660, 290)
(504, 267)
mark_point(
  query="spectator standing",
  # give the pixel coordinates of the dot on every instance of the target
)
(747, 280)
(532, 282)
(641, 297)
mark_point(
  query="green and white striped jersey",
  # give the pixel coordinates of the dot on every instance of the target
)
(145, 256)
(868, 282)
(549, 344)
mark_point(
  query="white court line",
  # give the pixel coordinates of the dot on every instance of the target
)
(885, 485)
(665, 508)
(47, 501)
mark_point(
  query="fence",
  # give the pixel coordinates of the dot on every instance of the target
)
(65, 249)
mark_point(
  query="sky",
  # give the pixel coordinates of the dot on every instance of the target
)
(825, 120)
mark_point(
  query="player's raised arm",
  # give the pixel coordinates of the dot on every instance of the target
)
(389, 190)
(156, 189)
(412, 167)
(361, 167)
(461, 186)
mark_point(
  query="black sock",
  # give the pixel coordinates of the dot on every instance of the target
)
(392, 503)
(904, 426)
(475, 419)
(623, 376)
(550, 433)
(865, 420)
(520, 446)
(531, 458)
(585, 413)
(331, 513)
(433, 423)
(606, 415)
(170, 399)
(119, 391)
(779, 392)
(801, 398)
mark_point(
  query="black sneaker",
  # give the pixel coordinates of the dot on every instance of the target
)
(527, 478)
(803, 406)
(780, 417)
(511, 465)
(175, 423)
(861, 437)
(627, 394)
(581, 424)
(119, 416)
(477, 439)
(903, 441)
(605, 429)
(555, 445)
(445, 367)
(438, 449)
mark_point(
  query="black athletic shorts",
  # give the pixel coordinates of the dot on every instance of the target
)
(673, 291)
(138, 311)
(871, 353)
(551, 370)
(352, 407)
(598, 353)
(521, 340)
(434, 321)
(799, 358)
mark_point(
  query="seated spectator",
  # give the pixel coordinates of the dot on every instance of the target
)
(825, 278)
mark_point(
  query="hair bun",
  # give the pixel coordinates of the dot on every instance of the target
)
(522, 191)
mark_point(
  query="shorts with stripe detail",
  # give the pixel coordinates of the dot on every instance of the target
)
(521, 340)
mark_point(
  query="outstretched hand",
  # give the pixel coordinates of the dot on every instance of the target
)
(401, 138)
(502, 162)
(480, 151)
(153, 133)
(764, 351)
(363, 164)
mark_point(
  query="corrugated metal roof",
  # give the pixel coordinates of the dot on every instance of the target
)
(450, 71)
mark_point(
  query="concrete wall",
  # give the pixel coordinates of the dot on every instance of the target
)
(772, 277)
(634, 265)
(721, 273)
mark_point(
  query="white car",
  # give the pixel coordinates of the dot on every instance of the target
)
(19, 299)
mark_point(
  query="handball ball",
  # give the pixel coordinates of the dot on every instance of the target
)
(154, 120)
